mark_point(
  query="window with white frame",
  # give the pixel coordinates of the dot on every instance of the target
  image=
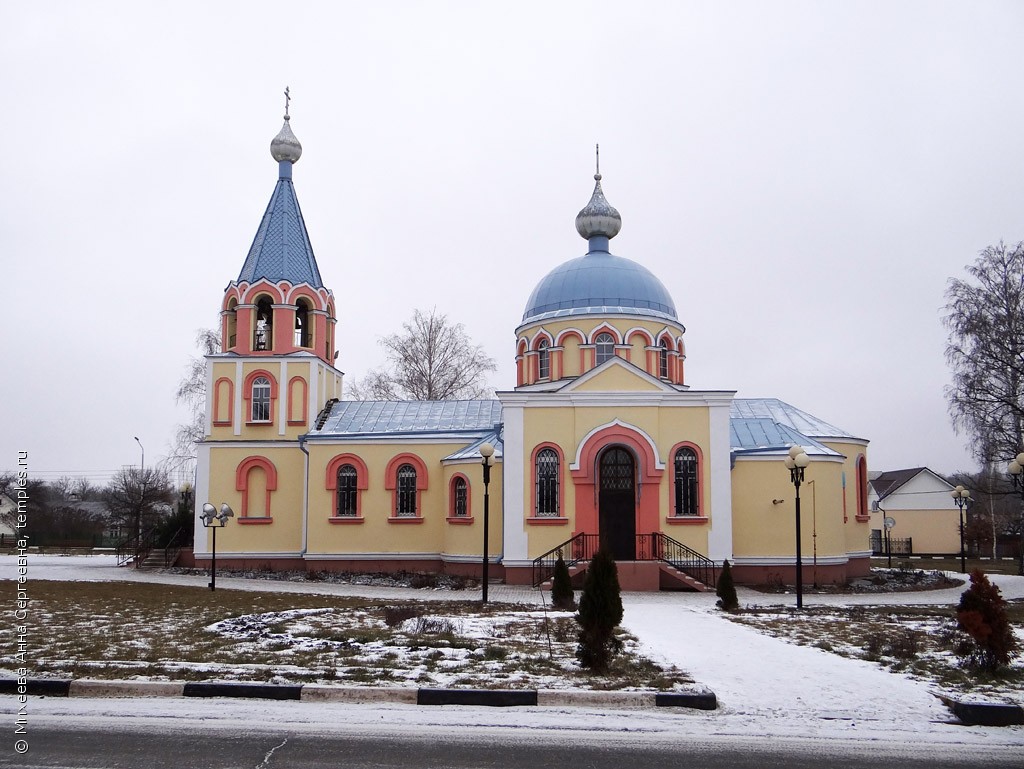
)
(686, 491)
(604, 347)
(261, 399)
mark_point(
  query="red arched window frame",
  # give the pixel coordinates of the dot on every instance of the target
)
(331, 484)
(561, 518)
(391, 484)
(242, 485)
(221, 419)
(298, 400)
(247, 396)
(453, 516)
(677, 517)
(862, 489)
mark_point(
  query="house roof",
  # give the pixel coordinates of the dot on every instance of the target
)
(889, 482)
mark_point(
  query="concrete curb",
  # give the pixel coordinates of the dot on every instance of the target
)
(700, 700)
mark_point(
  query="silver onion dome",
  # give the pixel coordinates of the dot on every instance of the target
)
(285, 146)
(598, 217)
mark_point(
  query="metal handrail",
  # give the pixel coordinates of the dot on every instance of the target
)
(657, 546)
(579, 548)
(135, 548)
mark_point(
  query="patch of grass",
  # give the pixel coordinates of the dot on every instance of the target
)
(139, 630)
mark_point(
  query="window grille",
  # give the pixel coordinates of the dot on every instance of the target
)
(547, 483)
(461, 507)
(261, 399)
(405, 497)
(347, 491)
(605, 344)
(686, 482)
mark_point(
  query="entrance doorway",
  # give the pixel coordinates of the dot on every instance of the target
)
(617, 503)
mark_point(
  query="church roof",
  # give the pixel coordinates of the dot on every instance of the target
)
(281, 249)
(787, 416)
(599, 283)
(393, 418)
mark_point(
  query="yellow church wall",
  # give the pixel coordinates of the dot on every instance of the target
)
(763, 528)
(283, 533)
(466, 539)
(858, 532)
(618, 379)
(567, 427)
(571, 357)
(378, 530)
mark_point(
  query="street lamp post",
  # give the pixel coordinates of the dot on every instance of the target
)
(961, 496)
(486, 460)
(208, 516)
(1016, 469)
(796, 463)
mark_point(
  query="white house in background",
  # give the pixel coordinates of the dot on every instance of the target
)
(922, 510)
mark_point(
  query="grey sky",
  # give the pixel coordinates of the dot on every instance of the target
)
(803, 177)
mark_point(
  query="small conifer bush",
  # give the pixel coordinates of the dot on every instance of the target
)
(599, 614)
(982, 616)
(562, 596)
(726, 590)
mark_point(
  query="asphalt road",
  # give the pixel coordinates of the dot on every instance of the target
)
(76, 742)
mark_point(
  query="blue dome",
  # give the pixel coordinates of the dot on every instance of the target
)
(599, 283)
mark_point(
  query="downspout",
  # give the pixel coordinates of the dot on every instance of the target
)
(305, 498)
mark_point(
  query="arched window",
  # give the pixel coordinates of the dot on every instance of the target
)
(460, 498)
(263, 336)
(686, 480)
(605, 347)
(547, 483)
(348, 492)
(663, 359)
(862, 488)
(303, 338)
(261, 399)
(405, 496)
(544, 359)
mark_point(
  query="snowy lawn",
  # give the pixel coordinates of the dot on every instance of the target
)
(920, 641)
(119, 630)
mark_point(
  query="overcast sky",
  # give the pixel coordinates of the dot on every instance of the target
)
(803, 177)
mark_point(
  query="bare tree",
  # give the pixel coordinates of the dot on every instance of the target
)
(430, 359)
(985, 351)
(138, 499)
(192, 392)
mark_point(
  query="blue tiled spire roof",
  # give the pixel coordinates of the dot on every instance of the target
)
(281, 248)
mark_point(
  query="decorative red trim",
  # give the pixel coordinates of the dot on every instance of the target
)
(862, 489)
(247, 396)
(533, 478)
(242, 484)
(862, 518)
(263, 286)
(459, 520)
(253, 520)
(451, 498)
(605, 327)
(362, 482)
(391, 483)
(548, 521)
(406, 519)
(700, 479)
(217, 420)
(585, 478)
(291, 400)
(347, 519)
(687, 520)
(638, 332)
(391, 472)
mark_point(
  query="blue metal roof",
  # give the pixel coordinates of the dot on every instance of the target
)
(281, 248)
(786, 415)
(378, 418)
(599, 283)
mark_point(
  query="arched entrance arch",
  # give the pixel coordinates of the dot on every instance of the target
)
(603, 460)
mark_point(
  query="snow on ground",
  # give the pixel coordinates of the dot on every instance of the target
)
(765, 685)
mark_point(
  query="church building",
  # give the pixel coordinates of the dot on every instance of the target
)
(600, 441)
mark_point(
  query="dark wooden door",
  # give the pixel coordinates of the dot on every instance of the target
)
(617, 503)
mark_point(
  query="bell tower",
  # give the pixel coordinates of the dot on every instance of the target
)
(275, 370)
